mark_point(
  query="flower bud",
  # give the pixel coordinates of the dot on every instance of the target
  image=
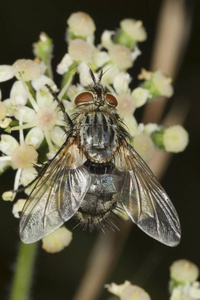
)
(131, 32)
(57, 241)
(175, 139)
(7, 196)
(184, 271)
(81, 24)
(43, 48)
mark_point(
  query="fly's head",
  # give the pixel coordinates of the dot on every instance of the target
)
(96, 95)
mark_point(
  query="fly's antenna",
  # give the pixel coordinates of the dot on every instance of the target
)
(93, 77)
(66, 116)
(100, 75)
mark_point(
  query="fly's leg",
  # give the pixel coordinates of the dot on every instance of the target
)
(66, 116)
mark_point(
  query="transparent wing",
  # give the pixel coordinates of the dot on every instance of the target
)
(56, 197)
(146, 202)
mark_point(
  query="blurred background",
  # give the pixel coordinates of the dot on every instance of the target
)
(143, 261)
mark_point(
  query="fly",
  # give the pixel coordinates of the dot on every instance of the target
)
(95, 171)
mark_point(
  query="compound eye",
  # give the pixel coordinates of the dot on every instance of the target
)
(84, 97)
(111, 99)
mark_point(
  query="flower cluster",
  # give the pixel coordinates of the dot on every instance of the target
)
(31, 110)
(183, 283)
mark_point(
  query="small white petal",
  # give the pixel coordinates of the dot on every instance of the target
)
(74, 90)
(64, 65)
(6, 73)
(100, 58)
(10, 107)
(17, 207)
(40, 82)
(140, 96)
(4, 165)
(18, 94)
(8, 144)
(150, 128)
(25, 114)
(34, 137)
(109, 74)
(84, 74)
(28, 175)
(121, 82)
(106, 39)
(44, 98)
(132, 124)
(135, 53)
(58, 136)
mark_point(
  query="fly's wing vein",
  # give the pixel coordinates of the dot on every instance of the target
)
(56, 197)
(146, 202)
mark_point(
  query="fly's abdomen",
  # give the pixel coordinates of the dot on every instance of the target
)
(102, 195)
(98, 136)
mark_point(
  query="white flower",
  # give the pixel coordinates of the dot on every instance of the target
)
(6, 73)
(175, 139)
(120, 56)
(140, 96)
(134, 29)
(17, 207)
(81, 24)
(26, 69)
(162, 83)
(44, 115)
(80, 50)
(184, 271)
(57, 241)
(189, 291)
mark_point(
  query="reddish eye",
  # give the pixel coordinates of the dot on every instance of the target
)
(111, 99)
(84, 97)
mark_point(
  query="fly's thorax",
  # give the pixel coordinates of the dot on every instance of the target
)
(99, 135)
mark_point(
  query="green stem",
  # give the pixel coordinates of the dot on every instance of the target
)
(24, 272)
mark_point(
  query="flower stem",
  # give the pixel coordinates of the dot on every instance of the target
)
(23, 273)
